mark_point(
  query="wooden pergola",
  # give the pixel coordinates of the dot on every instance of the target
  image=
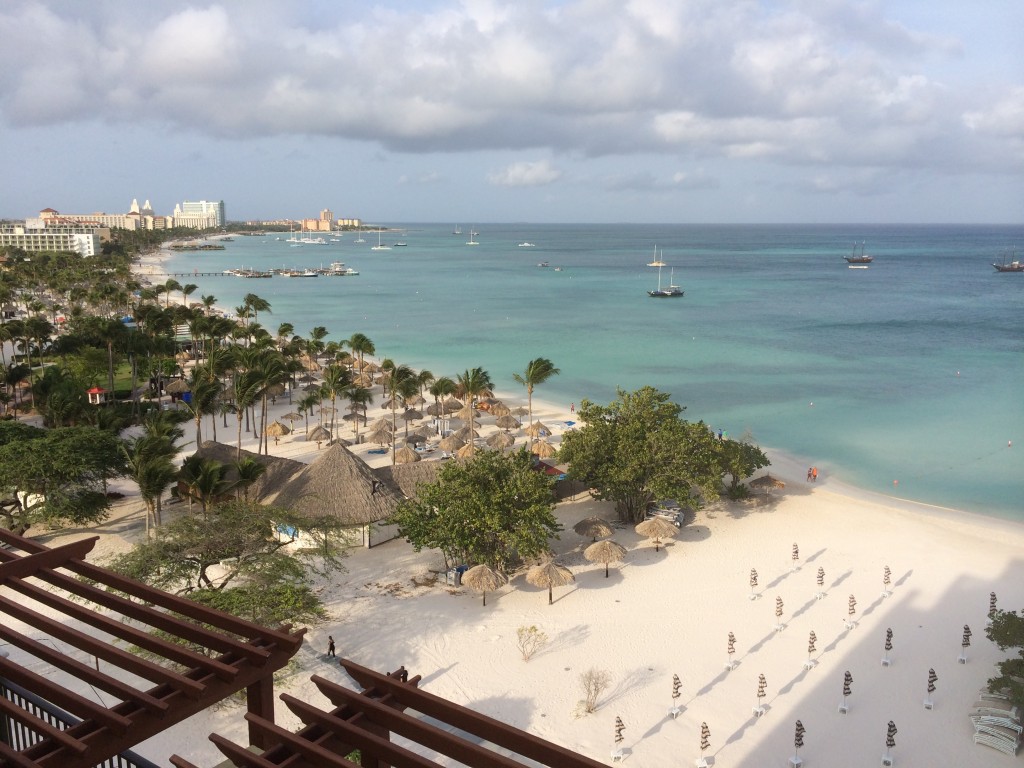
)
(193, 658)
(366, 720)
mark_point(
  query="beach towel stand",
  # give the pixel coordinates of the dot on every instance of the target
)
(730, 665)
(843, 709)
(886, 662)
(675, 712)
(757, 711)
(753, 596)
(810, 664)
(887, 760)
(850, 624)
(961, 659)
(886, 593)
(820, 595)
(928, 704)
(779, 627)
(702, 763)
(616, 755)
(795, 761)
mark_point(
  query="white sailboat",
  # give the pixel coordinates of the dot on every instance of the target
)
(472, 237)
(359, 237)
(380, 246)
(657, 259)
(666, 293)
(457, 230)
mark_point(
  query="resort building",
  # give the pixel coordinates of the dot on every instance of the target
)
(200, 214)
(77, 239)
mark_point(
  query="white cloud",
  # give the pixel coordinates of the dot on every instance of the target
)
(525, 174)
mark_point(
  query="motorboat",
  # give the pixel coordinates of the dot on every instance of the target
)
(527, 245)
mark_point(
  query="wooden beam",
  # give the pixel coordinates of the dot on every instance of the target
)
(259, 699)
(46, 559)
(11, 710)
(310, 750)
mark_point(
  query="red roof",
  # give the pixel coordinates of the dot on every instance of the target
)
(48, 210)
(95, 391)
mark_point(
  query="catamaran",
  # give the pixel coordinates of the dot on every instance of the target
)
(380, 246)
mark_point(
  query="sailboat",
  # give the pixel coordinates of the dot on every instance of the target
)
(291, 235)
(859, 258)
(380, 246)
(657, 259)
(457, 230)
(359, 237)
(666, 293)
(472, 237)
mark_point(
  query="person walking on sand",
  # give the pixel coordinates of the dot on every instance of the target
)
(572, 407)
(330, 646)
(810, 474)
(814, 474)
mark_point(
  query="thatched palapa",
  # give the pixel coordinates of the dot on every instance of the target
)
(278, 473)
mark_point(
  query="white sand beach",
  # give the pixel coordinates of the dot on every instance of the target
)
(670, 612)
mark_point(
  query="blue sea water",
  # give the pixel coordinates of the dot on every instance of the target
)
(909, 371)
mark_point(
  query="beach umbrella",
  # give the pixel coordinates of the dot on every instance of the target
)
(767, 482)
(543, 449)
(851, 611)
(811, 640)
(466, 451)
(890, 740)
(482, 578)
(415, 400)
(656, 529)
(886, 581)
(275, 390)
(821, 583)
(292, 416)
(593, 527)
(434, 409)
(415, 438)
(991, 606)
(500, 409)
(381, 437)
(176, 387)
(467, 433)
(306, 379)
(391, 402)
(311, 388)
(412, 415)
(466, 413)
(538, 430)
(932, 677)
(888, 646)
(406, 455)
(965, 644)
(451, 405)
(521, 411)
(705, 739)
(677, 686)
(424, 430)
(762, 686)
(383, 423)
(500, 440)
(730, 649)
(451, 443)
(354, 417)
(605, 551)
(847, 682)
(363, 380)
(798, 741)
(549, 574)
(277, 430)
(619, 728)
(796, 556)
(319, 435)
(507, 422)
(753, 582)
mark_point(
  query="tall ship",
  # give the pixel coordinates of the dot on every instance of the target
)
(858, 256)
(1012, 265)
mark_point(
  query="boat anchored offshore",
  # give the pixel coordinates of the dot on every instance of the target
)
(1013, 265)
(666, 293)
(859, 257)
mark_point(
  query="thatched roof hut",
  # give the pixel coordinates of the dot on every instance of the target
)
(404, 479)
(279, 470)
(341, 485)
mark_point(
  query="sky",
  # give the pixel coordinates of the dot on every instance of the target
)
(675, 111)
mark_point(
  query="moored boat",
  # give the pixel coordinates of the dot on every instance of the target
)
(859, 257)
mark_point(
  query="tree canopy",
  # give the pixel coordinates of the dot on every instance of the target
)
(638, 449)
(1007, 631)
(491, 509)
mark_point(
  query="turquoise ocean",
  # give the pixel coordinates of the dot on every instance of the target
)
(911, 370)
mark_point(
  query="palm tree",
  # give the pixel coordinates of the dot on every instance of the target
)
(400, 382)
(441, 387)
(359, 397)
(471, 384)
(537, 372)
(336, 379)
(361, 345)
(205, 481)
(249, 471)
(166, 288)
(255, 304)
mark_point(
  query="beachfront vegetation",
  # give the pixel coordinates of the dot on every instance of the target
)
(225, 559)
(537, 372)
(492, 509)
(529, 640)
(1007, 632)
(55, 477)
(638, 450)
(740, 459)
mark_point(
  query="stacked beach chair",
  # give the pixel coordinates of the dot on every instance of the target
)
(997, 723)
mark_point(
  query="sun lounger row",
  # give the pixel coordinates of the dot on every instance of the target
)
(997, 722)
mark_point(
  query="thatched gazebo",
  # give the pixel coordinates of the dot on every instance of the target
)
(537, 429)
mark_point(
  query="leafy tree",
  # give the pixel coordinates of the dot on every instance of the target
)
(55, 477)
(639, 449)
(1007, 631)
(492, 509)
(740, 459)
(537, 372)
(230, 559)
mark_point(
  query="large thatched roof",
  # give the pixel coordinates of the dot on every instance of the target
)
(340, 484)
(279, 470)
(405, 478)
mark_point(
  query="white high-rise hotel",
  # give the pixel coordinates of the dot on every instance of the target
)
(199, 215)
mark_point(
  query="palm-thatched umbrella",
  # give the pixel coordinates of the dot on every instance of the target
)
(500, 441)
(605, 551)
(451, 405)
(355, 417)
(363, 380)
(767, 482)
(434, 409)
(415, 400)
(656, 529)
(391, 402)
(593, 527)
(277, 430)
(484, 579)
(176, 387)
(467, 433)
(466, 413)
(292, 416)
(537, 429)
(508, 421)
(306, 378)
(415, 438)
(371, 366)
(382, 424)
(425, 431)
(521, 411)
(380, 437)
(549, 574)
(543, 448)
(275, 391)
(319, 435)
(406, 455)
(412, 415)
(500, 409)
(466, 451)
(451, 443)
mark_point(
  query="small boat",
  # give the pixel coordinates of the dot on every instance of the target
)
(558, 269)
(380, 246)
(543, 264)
(400, 244)
(457, 230)
(665, 293)
(657, 260)
(472, 237)
(859, 258)
(359, 237)
(527, 245)
(1011, 265)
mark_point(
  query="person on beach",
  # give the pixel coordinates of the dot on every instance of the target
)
(810, 474)
(330, 646)
(572, 407)
(814, 474)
